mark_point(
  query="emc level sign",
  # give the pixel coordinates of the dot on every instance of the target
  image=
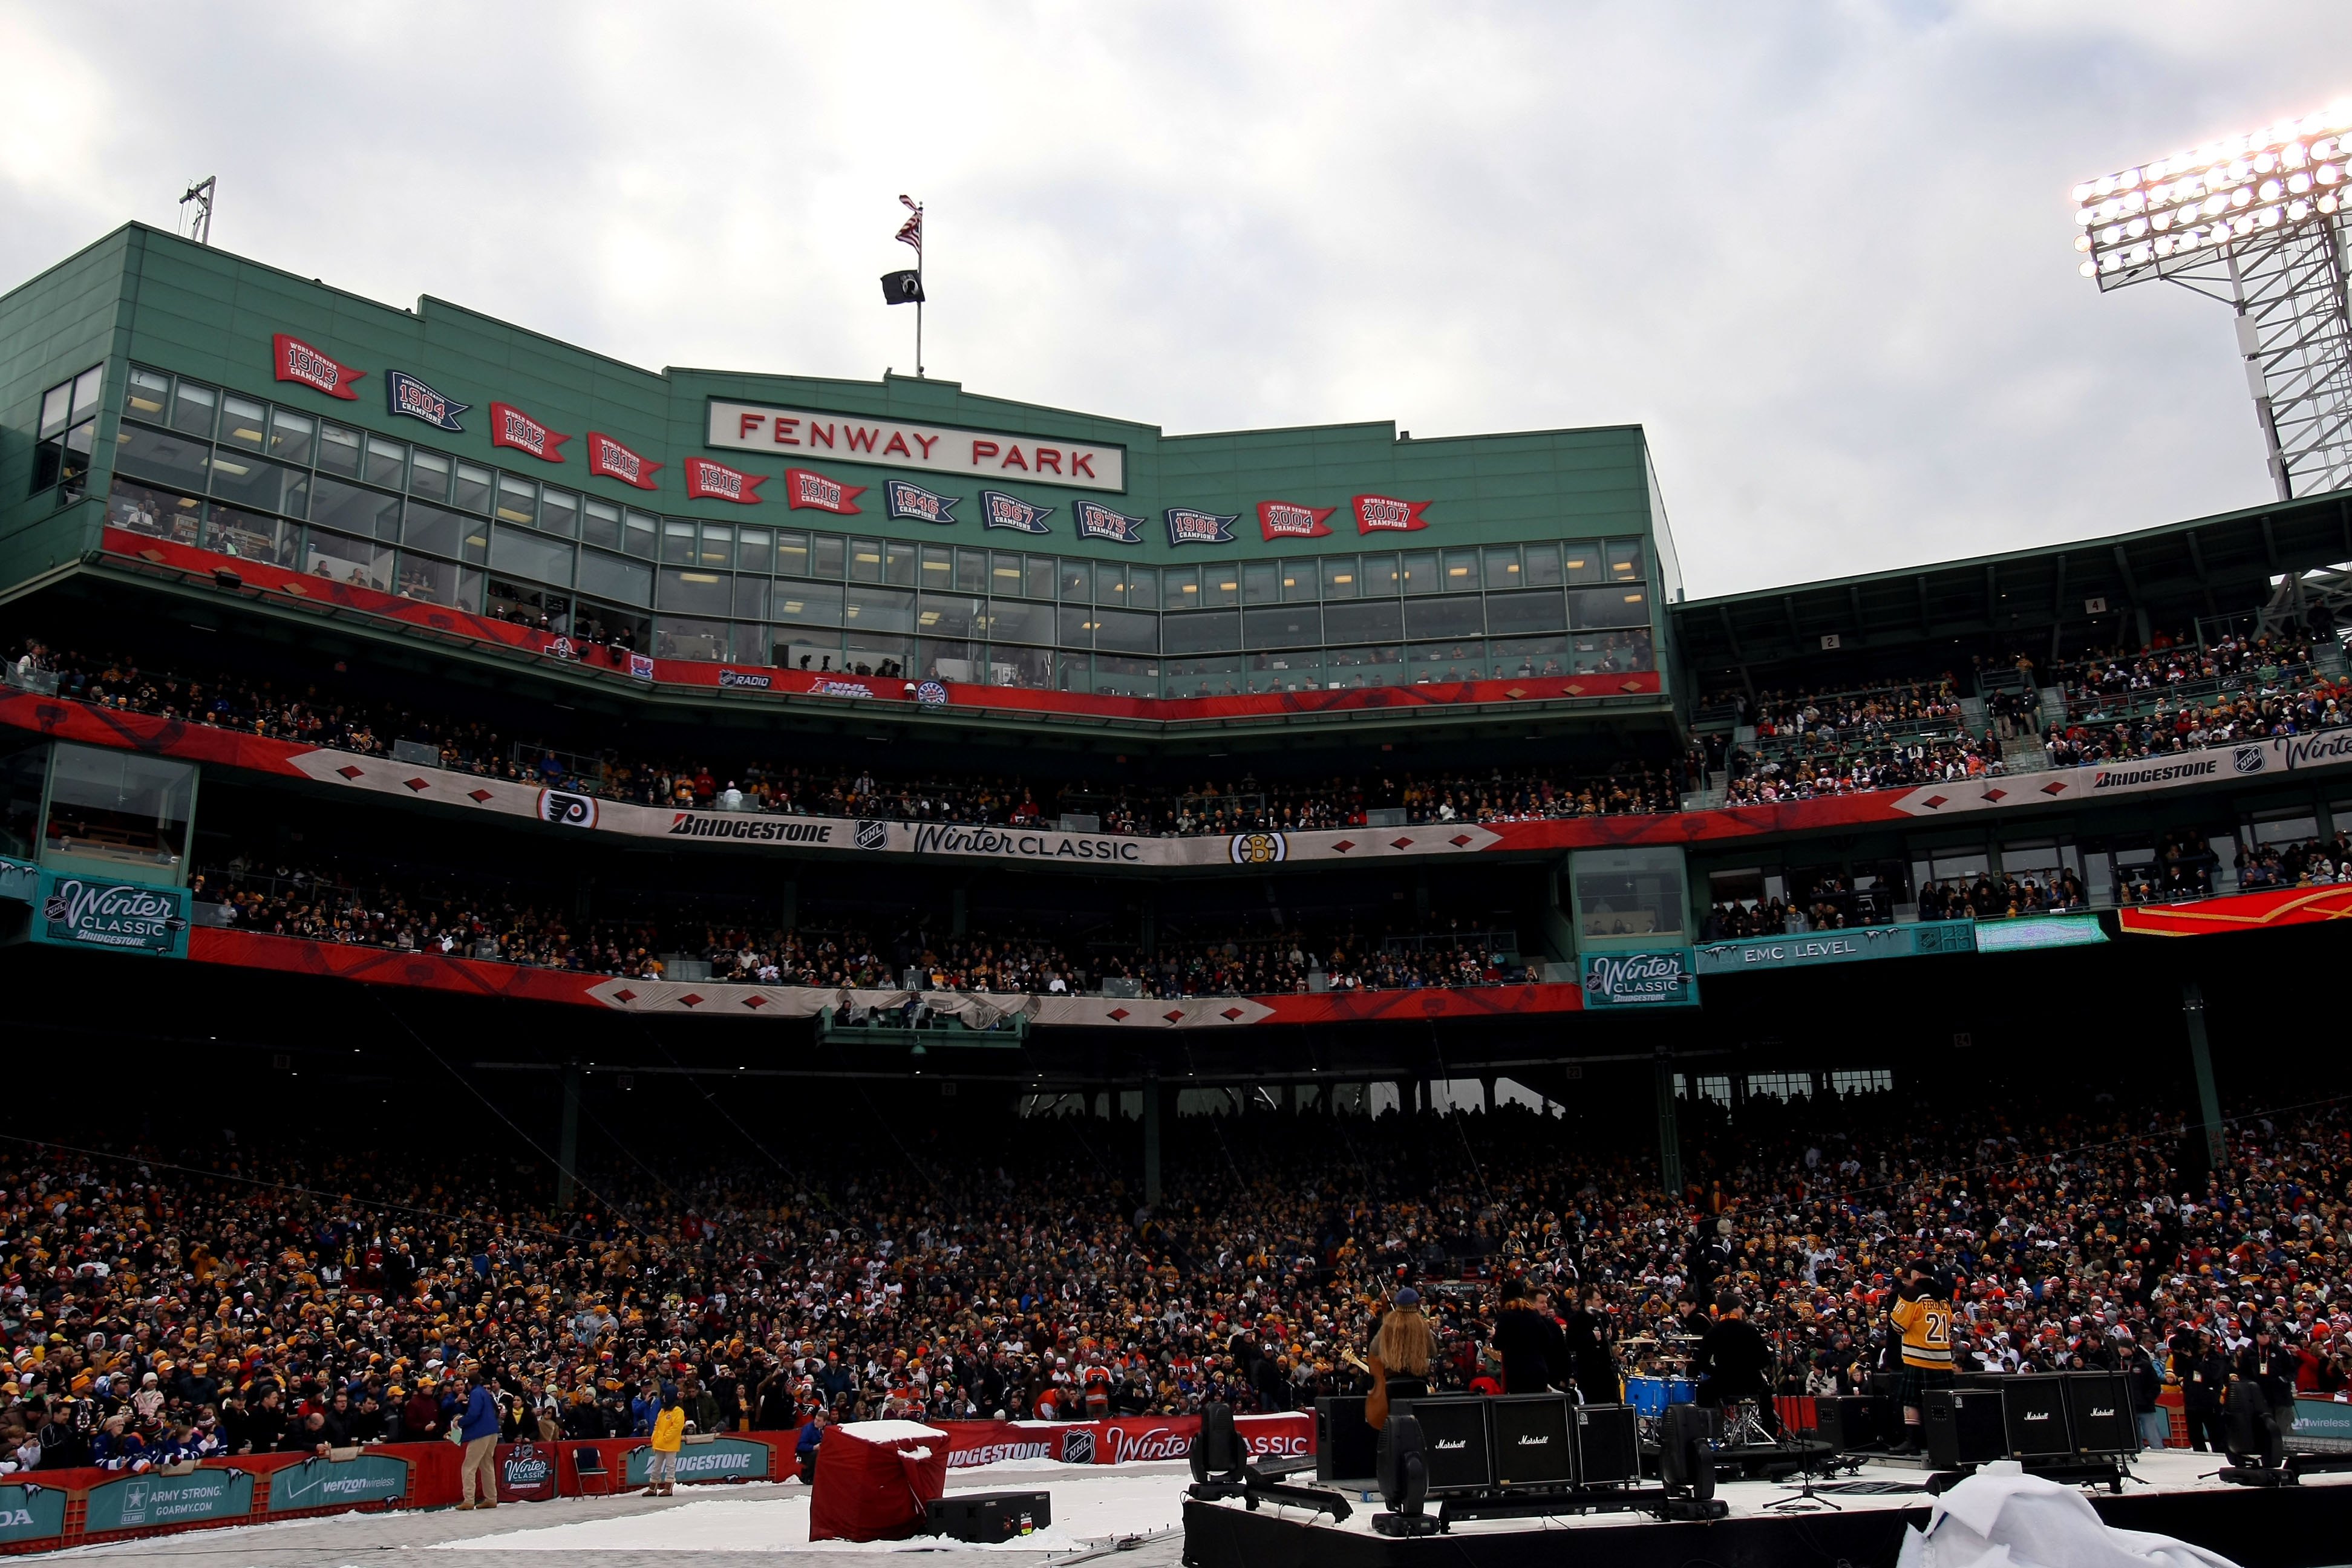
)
(801, 434)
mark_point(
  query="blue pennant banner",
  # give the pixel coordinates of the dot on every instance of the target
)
(411, 397)
(917, 504)
(1186, 526)
(1000, 510)
(1096, 520)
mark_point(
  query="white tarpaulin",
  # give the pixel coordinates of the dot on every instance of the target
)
(2002, 1518)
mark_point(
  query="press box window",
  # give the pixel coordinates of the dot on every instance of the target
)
(69, 432)
(116, 806)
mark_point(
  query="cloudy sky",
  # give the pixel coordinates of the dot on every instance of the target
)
(1821, 252)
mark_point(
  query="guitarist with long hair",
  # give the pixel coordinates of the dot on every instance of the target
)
(1401, 1352)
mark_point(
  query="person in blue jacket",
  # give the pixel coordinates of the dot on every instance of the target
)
(477, 1429)
(805, 1449)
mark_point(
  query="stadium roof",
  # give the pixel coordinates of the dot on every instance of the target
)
(2021, 601)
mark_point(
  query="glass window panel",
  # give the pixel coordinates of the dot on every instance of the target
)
(751, 599)
(1143, 588)
(1353, 667)
(870, 611)
(692, 593)
(615, 577)
(638, 531)
(792, 555)
(718, 546)
(1463, 659)
(154, 455)
(1380, 577)
(243, 423)
(518, 499)
(292, 437)
(1298, 670)
(1180, 587)
(530, 555)
(1005, 574)
(1015, 621)
(677, 543)
(1530, 655)
(1042, 571)
(354, 509)
(1074, 672)
(338, 450)
(230, 531)
(343, 559)
(473, 490)
(165, 515)
(825, 552)
(558, 512)
(1542, 566)
(1202, 632)
(1628, 892)
(605, 623)
(1074, 582)
(600, 523)
(898, 565)
(1448, 617)
(1076, 627)
(1611, 653)
(1286, 626)
(192, 408)
(1298, 582)
(806, 604)
(866, 560)
(1111, 583)
(1376, 620)
(938, 568)
(144, 394)
(1127, 631)
(1221, 586)
(254, 482)
(387, 462)
(701, 640)
(86, 390)
(1508, 613)
(1420, 572)
(753, 644)
(1581, 560)
(57, 408)
(439, 529)
(1612, 607)
(1118, 676)
(428, 476)
(1261, 582)
(753, 550)
(1340, 576)
(1460, 570)
(422, 577)
(512, 599)
(950, 615)
(114, 806)
(1030, 667)
(1625, 560)
(1503, 567)
(971, 571)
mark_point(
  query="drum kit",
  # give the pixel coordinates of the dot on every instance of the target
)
(1652, 1394)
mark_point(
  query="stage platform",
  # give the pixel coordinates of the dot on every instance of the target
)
(2172, 1492)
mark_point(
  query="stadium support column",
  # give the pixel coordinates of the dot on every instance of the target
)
(1670, 1138)
(567, 1147)
(2201, 1057)
(1151, 1137)
(790, 913)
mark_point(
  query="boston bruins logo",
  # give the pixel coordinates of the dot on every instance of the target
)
(1259, 848)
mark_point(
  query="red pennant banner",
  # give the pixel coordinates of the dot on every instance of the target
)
(1288, 519)
(510, 426)
(1386, 514)
(314, 368)
(807, 487)
(614, 461)
(707, 480)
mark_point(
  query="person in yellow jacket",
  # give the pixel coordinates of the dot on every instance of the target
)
(1925, 1319)
(669, 1435)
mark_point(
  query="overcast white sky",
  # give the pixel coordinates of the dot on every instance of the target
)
(1821, 253)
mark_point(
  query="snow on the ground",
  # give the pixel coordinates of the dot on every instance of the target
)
(1089, 1509)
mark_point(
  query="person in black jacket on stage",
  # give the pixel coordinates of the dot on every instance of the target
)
(2203, 1371)
(1591, 1363)
(1736, 1363)
(1534, 1351)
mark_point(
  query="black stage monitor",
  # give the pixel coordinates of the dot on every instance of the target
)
(2034, 1409)
(2099, 1407)
(1963, 1426)
(1531, 1441)
(1608, 1445)
(1453, 1442)
(1346, 1445)
(1844, 1422)
(989, 1518)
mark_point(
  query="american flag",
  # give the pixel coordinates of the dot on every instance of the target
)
(911, 231)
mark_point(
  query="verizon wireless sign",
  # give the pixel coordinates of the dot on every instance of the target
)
(802, 434)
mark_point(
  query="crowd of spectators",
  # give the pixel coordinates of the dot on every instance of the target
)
(1993, 896)
(164, 1303)
(2314, 863)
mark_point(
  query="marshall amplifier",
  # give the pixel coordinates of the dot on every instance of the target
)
(1345, 1447)
(1608, 1445)
(1454, 1451)
(2099, 1408)
(2034, 1411)
(1963, 1426)
(1531, 1442)
(1845, 1421)
(989, 1518)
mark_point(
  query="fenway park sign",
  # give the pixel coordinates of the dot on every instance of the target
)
(804, 435)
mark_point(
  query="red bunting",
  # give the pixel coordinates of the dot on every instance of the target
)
(1288, 519)
(707, 480)
(614, 461)
(510, 426)
(1386, 514)
(807, 487)
(314, 368)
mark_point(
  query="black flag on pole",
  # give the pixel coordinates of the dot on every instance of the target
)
(902, 288)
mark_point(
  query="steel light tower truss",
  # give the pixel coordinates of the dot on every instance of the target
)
(2257, 221)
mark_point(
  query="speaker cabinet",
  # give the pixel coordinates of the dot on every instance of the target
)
(1608, 1445)
(2034, 1411)
(1963, 1426)
(2099, 1410)
(1346, 1447)
(1531, 1441)
(989, 1518)
(1845, 1421)
(1453, 1442)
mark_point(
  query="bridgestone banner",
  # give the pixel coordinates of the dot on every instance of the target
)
(721, 1460)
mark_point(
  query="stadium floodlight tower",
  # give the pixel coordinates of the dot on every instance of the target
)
(2257, 221)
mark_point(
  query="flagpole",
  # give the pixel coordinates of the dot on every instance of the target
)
(919, 299)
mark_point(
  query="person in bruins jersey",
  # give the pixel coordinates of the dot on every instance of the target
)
(1925, 1320)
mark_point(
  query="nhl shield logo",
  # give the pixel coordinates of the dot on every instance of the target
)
(872, 835)
(2248, 760)
(1078, 1447)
